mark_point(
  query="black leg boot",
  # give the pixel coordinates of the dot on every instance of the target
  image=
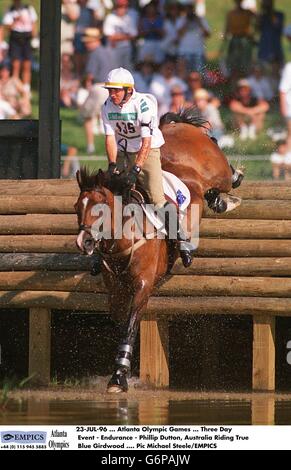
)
(185, 247)
(96, 265)
(237, 177)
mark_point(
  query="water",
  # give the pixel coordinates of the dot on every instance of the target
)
(145, 407)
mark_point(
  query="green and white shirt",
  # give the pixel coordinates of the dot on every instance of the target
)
(136, 119)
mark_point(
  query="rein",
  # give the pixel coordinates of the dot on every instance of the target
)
(120, 254)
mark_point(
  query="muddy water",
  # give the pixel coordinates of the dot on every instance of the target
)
(144, 407)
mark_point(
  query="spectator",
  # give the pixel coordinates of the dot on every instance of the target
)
(90, 112)
(209, 112)
(278, 159)
(2, 43)
(21, 22)
(69, 83)
(69, 15)
(285, 102)
(86, 86)
(162, 84)
(70, 161)
(200, 8)
(260, 84)
(6, 110)
(249, 112)
(195, 83)
(178, 102)
(99, 58)
(249, 5)
(120, 29)
(85, 18)
(239, 31)
(151, 33)
(271, 25)
(170, 41)
(143, 76)
(14, 92)
(192, 31)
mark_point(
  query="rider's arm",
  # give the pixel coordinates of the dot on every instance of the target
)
(144, 151)
(110, 141)
(147, 116)
(111, 148)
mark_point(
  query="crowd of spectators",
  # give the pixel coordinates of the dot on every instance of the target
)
(164, 44)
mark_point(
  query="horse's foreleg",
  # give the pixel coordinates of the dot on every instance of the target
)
(118, 382)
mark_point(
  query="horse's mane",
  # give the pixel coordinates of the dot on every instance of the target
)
(190, 115)
(89, 180)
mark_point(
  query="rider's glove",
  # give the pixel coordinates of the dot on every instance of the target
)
(131, 177)
(112, 169)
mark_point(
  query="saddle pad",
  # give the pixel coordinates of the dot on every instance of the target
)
(176, 192)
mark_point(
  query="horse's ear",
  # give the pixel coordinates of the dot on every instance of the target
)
(78, 176)
(100, 178)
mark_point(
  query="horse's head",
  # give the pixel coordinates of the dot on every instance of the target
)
(93, 196)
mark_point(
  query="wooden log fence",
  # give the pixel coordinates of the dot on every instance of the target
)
(242, 267)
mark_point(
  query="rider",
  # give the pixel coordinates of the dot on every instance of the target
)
(133, 139)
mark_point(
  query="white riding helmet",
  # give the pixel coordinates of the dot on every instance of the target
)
(119, 78)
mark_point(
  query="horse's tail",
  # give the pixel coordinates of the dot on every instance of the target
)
(190, 115)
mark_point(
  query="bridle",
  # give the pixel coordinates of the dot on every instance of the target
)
(121, 254)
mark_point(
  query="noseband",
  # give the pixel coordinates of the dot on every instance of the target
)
(86, 228)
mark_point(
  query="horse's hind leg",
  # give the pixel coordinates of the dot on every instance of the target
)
(215, 201)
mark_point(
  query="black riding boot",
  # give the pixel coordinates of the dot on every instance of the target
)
(96, 265)
(185, 248)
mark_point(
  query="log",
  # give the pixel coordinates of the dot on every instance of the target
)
(245, 228)
(40, 187)
(232, 247)
(249, 209)
(203, 266)
(264, 352)
(154, 351)
(45, 262)
(193, 286)
(38, 244)
(54, 300)
(20, 204)
(255, 209)
(177, 286)
(38, 224)
(264, 190)
(56, 187)
(54, 244)
(236, 267)
(77, 301)
(66, 224)
(67, 281)
(39, 345)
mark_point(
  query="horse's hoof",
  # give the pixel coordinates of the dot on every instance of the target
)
(115, 389)
(237, 178)
(117, 383)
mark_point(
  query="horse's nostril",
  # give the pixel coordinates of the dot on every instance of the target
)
(88, 243)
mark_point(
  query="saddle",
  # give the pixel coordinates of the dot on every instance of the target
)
(176, 192)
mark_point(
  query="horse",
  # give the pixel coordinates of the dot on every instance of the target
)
(130, 278)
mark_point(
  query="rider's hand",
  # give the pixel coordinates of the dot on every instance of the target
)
(112, 169)
(131, 177)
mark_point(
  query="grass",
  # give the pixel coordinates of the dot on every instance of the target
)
(72, 129)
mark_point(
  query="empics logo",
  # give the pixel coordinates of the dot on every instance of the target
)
(23, 437)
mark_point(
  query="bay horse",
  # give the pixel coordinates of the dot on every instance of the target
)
(128, 275)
